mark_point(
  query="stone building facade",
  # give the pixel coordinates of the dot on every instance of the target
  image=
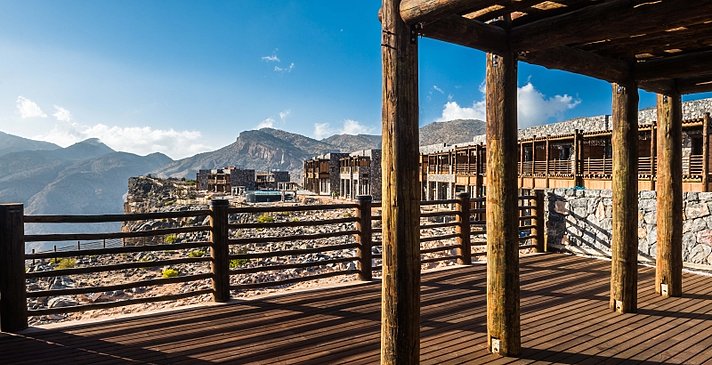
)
(360, 174)
(228, 180)
(321, 173)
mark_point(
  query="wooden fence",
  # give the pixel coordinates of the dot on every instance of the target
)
(349, 242)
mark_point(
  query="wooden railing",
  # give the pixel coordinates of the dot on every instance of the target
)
(226, 256)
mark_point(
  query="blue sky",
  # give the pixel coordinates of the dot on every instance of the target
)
(181, 77)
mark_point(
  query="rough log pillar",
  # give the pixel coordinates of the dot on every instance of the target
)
(668, 264)
(220, 250)
(13, 293)
(400, 308)
(462, 229)
(503, 331)
(624, 244)
(705, 152)
(364, 238)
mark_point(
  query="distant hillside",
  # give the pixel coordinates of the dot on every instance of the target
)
(451, 132)
(87, 177)
(350, 142)
(262, 149)
(10, 144)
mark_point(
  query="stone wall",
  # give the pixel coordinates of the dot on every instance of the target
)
(579, 221)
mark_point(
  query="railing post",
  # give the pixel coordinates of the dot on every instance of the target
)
(219, 250)
(539, 207)
(463, 229)
(13, 291)
(364, 238)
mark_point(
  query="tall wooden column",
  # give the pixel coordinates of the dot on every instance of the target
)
(706, 152)
(503, 331)
(668, 266)
(624, 245)
(400, 310)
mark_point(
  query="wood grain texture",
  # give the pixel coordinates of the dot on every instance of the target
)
(502, 201)
(400, 309)
(462, 229)
(668, 265)
(220, 250)
(13, 303)
(624, 241)
(364, 238)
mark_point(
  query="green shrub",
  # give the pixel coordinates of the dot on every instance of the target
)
(170, 273)
(235, 263)
(196, 253)
(265, 218)
(66, 263)
(171, 238)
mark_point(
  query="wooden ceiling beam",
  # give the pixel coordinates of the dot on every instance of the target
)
(580, 62)
(425, 11)
(468, 33)
(695, 85)
(609, 20)
(683, 66)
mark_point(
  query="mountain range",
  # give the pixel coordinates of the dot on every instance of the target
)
(90, 178)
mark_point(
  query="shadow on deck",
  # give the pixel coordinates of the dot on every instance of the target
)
(565, 320)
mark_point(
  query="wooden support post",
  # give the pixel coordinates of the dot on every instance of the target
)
(521, 165)
(624, 245)
(503, 311)
(578, 157)
(533, 160)
(463, 229)
(400, 300)
(705, 152)
(668, 264)
(219, 250)
(478, 182)
(364, 238)
(546, 156)
(653, 153)
(13, 292)
(539, 202)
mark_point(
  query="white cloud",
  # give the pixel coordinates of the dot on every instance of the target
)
(284, 114)
(272, 58)
(436, 88)
(354, 127)
(266, 123)
(28, 108)
(62, 114)
(348, 126)
(139, 140)
(533, 107)
(322, 130)
(287, 69)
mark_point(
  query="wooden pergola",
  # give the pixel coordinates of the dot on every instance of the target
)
(663, 46)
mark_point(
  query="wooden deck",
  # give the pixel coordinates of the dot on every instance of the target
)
(565, 320)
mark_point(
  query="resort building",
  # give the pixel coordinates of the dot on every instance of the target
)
(321, 173)
(360, 174)
(228, 180)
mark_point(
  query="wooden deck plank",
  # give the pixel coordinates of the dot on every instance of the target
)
(565, 320)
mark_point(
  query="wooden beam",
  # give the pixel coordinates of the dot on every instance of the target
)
(695, 84)
(424, 11)
(581, 62)
(688, 65)
(624, 243)
(503, 311)
(608, 20)
(400, 308)
(468, 33)
(668, 265)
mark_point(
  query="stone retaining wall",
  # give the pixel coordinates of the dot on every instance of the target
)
(579, 221)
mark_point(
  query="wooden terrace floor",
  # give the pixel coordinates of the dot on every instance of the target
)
(565, 320)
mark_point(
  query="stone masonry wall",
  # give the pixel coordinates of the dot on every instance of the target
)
(579, 221)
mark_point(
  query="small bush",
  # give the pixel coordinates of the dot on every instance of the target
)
(66, 263)
(265, 218)
(235, 263)
(196, 253)
(170, 273)
(171, 238)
